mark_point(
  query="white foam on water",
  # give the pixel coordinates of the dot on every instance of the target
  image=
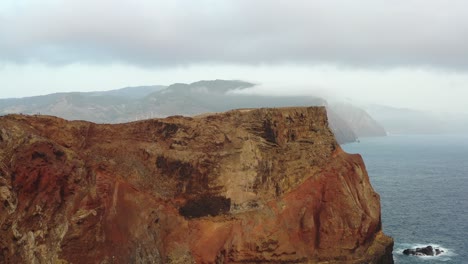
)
(444, 256)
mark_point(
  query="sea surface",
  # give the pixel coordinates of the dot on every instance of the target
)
(423, 187)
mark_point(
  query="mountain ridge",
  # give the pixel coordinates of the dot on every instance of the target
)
(116, 106)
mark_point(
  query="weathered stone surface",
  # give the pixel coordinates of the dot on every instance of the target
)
(245, 186)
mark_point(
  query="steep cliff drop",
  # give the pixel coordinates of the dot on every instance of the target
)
(245, 186)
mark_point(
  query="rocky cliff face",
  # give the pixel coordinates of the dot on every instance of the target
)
(245, 186)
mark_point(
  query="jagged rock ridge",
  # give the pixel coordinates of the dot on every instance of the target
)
(245, 186)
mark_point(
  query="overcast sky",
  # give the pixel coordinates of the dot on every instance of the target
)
(403, 53)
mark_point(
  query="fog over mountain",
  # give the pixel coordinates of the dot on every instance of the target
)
(406, 54)
(359, 120)
(410, 121)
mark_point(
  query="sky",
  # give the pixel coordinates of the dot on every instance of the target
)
(403, 53)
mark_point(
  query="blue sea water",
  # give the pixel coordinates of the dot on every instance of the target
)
(423, 185)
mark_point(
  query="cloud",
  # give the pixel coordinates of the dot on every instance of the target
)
(368, 33)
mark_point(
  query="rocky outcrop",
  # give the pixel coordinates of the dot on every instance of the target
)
(245, 186)
(425, 251)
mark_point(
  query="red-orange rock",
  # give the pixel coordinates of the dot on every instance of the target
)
(245, 186)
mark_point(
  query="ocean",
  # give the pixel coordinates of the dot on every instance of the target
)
(423, 185)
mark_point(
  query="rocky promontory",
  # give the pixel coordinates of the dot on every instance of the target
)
(246, 186)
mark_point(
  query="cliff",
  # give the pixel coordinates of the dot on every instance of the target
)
(245, 186)
(362, 124)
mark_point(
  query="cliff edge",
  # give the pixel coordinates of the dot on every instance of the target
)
(245, 186)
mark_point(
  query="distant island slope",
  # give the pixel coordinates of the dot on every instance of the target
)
(143, 102)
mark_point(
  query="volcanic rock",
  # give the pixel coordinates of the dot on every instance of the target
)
(425, 251)
(245, 186)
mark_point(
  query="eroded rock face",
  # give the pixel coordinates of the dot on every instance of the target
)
(245, 186)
